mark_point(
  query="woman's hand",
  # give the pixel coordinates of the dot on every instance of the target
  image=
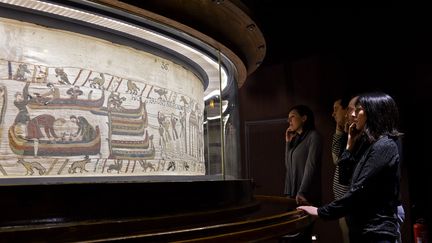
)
(311, 210)
(289, 135)
(353, 135)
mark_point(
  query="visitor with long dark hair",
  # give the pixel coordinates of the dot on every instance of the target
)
(370, 206)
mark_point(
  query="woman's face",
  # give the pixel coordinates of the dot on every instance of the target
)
(296, 121)
(350, 110)
(359, 117)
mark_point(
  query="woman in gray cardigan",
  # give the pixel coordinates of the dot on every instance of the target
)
(303, 157)
(303, 164)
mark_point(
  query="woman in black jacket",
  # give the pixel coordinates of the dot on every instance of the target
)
(370, 206)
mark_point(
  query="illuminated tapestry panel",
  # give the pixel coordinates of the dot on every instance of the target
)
(73, 105)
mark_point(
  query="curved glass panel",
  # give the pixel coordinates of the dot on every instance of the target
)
(93, 96)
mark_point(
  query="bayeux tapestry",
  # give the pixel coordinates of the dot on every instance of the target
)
(74, 105)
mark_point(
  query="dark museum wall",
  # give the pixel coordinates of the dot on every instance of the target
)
(313, 55)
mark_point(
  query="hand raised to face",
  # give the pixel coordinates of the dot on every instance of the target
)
(289, 135)
(353, 135)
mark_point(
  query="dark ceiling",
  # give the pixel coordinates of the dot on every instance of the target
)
(293, 32)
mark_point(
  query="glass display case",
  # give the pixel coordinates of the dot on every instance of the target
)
(93, 93)
(116, 125)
